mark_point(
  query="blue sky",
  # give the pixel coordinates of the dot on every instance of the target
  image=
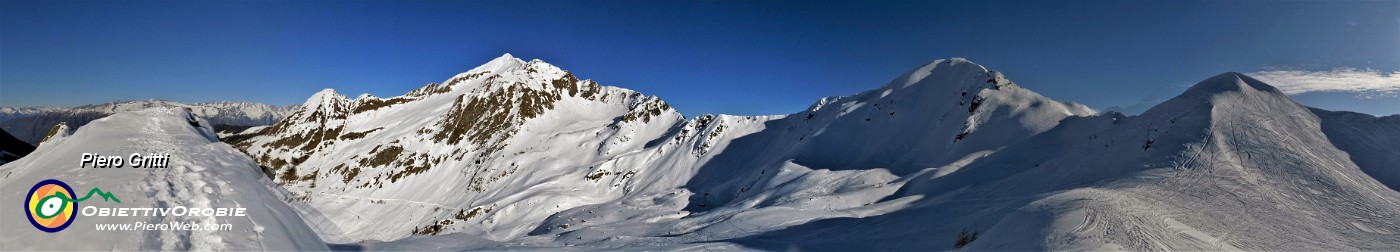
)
(742, 58)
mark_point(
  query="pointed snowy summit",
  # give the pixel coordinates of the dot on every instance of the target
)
(503, 63)
(1228, 82)
(323, 98)
(1231, 90)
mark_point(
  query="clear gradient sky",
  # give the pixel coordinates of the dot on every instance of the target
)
(742, 58)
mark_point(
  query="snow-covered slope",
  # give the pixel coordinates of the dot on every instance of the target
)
(1372, 142)
(1232, 164)
(202, 173)
(30, 124)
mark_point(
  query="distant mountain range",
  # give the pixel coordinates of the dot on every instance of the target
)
(30, 124)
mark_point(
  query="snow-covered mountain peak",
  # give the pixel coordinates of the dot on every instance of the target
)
(1228, 92)
(959, 66)
(1228, 82)
(961, 84)
(503, 63)
(971, 86)
(505, 72)
(323, 98)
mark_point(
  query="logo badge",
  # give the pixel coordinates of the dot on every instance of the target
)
(50, 206)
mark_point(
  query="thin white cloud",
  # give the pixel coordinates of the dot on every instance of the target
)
(1366, 83)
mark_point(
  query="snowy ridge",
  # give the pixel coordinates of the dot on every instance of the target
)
(203, 173)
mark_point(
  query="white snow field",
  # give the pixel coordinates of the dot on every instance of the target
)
(202, 173)
(1232, 164)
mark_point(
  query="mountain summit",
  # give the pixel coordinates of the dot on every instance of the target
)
(1221, 90)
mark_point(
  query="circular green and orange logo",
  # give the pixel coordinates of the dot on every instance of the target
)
(50, 206)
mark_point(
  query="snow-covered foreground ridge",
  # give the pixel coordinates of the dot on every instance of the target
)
(202, 173)
(517, 153)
